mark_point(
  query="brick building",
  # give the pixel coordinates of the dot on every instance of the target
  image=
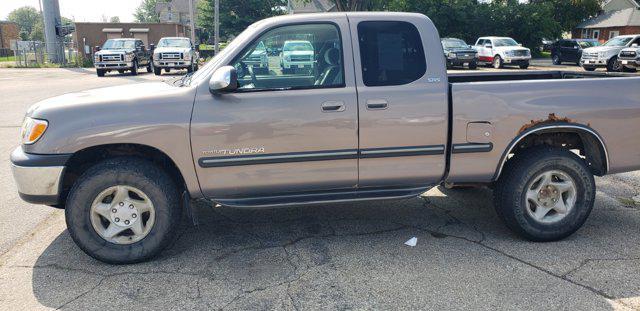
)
(618, 17)
(8, 31)
(89, 35)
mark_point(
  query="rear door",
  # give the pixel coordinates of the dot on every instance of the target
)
(402, 101)
(281, 133)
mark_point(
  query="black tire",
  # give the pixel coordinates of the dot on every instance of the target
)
(510, 191)
(157, 71)
(167, 70)
(613, 65)
(134, 68)
(153, 181)
(473, 65)
(190, 69)
(589, 68)
(121, 71)
(524, 66)
(150, 67)
(497, 62)
(100, 72)
(627, 69)
(556, 59)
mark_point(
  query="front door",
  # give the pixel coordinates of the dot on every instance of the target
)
(402, 103)
(283, 131)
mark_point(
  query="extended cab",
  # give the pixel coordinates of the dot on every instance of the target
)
(174, 53)
(122, 55)
(379, 118)
(606, 55)
(501, 51)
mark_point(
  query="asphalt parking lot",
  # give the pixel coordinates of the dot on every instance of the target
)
(338, 256)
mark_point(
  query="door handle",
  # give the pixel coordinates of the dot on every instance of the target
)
(333, 106)
(377, 104)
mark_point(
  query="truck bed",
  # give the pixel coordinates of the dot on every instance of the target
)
(530, 75)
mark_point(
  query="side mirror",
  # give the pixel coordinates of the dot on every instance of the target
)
(97, 48)
(224, 79)
(519, 44)
(488, 46)
(635, 45)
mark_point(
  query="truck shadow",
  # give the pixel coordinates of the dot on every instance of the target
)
(351, 256)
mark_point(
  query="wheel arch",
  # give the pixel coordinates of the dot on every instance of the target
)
(83, 159)
(566, 135)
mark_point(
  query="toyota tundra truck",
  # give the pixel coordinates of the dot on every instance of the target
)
(379, 119)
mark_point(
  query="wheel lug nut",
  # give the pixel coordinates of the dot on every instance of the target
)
(134, 215)
(121, 204)
(126, 222)
(131, 206)
(114, 210)
(117, 219)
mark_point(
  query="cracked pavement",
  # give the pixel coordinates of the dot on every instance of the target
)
(332, 256)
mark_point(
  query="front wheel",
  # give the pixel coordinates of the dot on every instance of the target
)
(100, 72)
(150, 67)
(473, 65)
(545, 193)
(497, 62)
(556, 59)
(157, 71)
(134, 68)
(123, 210)
(589, 68)
(524, 66)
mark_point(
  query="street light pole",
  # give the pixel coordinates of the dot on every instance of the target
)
(216, 39)
(192, 22)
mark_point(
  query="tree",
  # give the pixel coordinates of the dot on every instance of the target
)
(570, 13)
(26, 17)
(146, 12)
(236, 15)
(114, 19)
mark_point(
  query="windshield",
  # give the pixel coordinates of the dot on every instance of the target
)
(504, 42)
(298, 46)
(588, 44)
(119, 44)
(449, 44)
(174, 43)
(618, 41)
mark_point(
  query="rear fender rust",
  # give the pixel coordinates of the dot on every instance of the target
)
(552, 118)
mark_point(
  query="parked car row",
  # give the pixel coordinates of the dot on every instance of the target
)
(130, 54)
(493, 51)
(608, 54)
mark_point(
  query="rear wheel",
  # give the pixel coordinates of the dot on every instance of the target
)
(123, 210)
(545, 194)
(613, 65)
(497, 62)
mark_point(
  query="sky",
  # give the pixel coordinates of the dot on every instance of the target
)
(80, 10)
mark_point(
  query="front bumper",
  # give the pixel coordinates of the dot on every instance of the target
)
(37, 176)
(178, 63)
(593, 62)
(460, 61)
(630, 63)
(517, 60)
(113, 65)
(297, 65)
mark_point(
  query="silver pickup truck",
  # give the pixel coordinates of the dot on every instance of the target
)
(377, 118)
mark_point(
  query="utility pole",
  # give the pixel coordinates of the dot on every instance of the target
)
(289, 7)
(216, 19)
(192, 22)
(51, 15)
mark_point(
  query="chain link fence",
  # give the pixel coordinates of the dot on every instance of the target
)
(34, 54)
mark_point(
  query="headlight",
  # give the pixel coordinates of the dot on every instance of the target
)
(509, 53)
(156, 56)
(128, 57)
(452, 55)
(32, 130)
(287, 58)
(187, 56)
(96, 58)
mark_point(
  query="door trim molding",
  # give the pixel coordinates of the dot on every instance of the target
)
(328, 155)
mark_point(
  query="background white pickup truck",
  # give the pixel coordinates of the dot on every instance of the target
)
(501, 51)
(175, 53)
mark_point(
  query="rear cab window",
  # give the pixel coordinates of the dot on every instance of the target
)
(391, 53)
